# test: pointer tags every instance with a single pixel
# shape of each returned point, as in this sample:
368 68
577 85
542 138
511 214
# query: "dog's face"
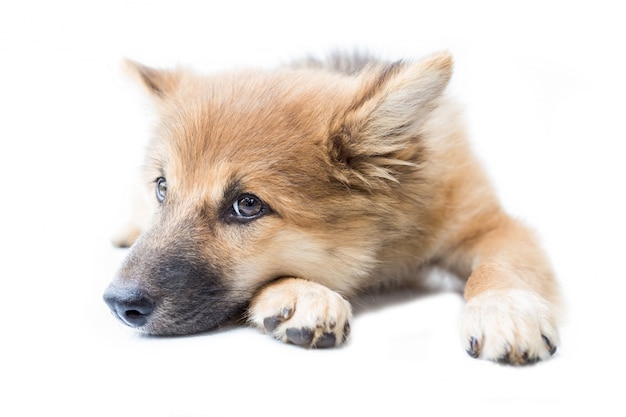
262 175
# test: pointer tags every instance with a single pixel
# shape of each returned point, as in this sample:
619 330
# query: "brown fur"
366 176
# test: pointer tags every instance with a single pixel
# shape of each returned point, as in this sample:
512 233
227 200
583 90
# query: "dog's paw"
509 326
302 312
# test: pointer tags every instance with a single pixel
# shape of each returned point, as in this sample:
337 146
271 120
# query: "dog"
279 195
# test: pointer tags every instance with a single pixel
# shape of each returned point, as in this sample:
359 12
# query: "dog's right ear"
159 83
379 136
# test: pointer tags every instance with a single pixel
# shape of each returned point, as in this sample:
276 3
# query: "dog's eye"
248 207
161 189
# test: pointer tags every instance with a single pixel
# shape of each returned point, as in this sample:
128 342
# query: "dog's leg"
512 297
302 312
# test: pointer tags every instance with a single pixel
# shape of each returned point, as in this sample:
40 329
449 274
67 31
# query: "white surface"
544 88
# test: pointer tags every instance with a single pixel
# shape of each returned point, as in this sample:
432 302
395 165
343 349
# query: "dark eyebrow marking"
233 190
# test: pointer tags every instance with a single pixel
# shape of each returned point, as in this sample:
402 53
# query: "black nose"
131 305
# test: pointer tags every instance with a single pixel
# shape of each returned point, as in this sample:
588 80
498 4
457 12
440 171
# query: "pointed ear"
378 137
159 83
403 95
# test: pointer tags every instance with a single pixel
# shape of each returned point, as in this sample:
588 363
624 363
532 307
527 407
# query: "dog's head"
266 174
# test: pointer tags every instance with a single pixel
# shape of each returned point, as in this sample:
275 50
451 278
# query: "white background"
543 84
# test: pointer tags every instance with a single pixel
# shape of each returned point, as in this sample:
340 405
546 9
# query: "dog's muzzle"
130 305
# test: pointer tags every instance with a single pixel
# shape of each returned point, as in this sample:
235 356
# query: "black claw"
474 349
504 360
300 337
271 323
326 340
286 313
551 347
528 360
533 360
346 332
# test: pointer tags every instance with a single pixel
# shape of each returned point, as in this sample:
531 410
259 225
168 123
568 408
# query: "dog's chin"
174 326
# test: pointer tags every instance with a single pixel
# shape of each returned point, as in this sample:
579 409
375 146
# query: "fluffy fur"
285 193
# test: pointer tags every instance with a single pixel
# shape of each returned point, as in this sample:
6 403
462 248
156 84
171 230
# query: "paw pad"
300 337
272 322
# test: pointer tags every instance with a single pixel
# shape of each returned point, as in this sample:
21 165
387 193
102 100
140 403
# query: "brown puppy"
282 194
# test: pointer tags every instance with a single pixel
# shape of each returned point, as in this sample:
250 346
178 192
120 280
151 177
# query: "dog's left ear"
159 83
377 137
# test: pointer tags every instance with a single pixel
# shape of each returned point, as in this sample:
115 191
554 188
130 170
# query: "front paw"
509 326
302 312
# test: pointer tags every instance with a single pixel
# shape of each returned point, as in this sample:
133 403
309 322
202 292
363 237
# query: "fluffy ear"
159 83
378 137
